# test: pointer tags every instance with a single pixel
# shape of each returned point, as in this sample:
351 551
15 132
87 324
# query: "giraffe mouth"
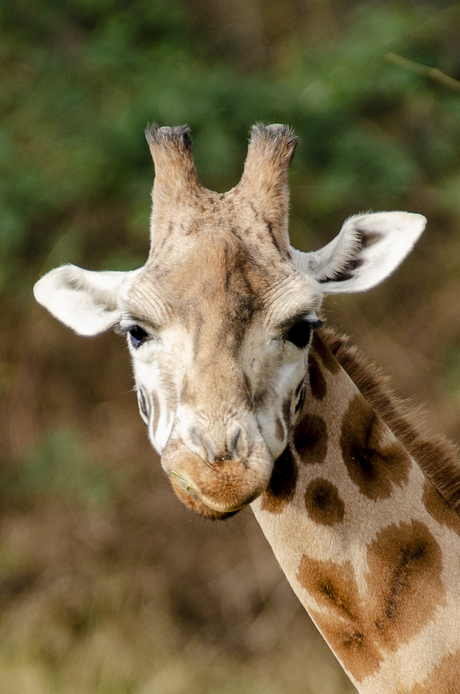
212 506
220 488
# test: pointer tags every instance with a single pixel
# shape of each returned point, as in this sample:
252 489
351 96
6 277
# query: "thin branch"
430 72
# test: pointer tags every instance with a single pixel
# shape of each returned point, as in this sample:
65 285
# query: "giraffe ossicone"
249 400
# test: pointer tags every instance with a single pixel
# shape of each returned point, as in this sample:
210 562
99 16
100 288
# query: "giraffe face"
219 320
219 343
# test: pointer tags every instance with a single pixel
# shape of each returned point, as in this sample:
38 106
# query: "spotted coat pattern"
380 591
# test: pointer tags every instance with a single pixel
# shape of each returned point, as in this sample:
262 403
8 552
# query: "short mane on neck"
437 457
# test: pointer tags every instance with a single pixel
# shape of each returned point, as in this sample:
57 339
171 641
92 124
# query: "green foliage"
111 592
81 79
57 466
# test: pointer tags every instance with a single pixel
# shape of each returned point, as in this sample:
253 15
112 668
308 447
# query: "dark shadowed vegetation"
107 585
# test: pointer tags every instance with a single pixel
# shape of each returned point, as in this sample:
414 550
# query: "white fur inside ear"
365 252
84 300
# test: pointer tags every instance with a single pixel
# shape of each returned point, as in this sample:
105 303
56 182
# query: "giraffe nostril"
202 444
237 441
227 445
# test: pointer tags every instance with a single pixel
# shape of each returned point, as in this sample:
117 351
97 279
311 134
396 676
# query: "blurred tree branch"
431 72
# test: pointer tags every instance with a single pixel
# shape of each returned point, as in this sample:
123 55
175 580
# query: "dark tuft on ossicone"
179 136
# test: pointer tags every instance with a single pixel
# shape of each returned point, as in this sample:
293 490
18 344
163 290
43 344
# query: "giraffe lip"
218 488
190 489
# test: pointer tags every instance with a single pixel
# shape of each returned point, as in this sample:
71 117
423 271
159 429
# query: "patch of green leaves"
58 466
82 80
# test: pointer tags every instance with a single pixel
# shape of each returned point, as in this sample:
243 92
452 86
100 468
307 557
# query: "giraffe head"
219 320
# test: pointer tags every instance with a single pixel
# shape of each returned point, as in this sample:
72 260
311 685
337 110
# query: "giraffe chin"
192 502
216 490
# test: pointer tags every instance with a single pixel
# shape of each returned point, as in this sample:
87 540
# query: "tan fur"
340 508
437 457
363 536
244 406
259 201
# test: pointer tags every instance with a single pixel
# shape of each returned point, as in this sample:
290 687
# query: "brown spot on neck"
324 355
402 590
283 481
341 621
323 503
374 468
405 566
436 457
318 384
310 439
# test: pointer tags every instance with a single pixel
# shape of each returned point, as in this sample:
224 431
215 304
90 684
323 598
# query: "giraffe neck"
368 544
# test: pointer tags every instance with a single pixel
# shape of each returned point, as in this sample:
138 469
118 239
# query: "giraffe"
250 400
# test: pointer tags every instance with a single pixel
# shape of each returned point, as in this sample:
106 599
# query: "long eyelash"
123 329
317 324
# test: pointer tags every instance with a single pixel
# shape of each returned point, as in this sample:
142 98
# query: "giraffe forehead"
218 276
210 212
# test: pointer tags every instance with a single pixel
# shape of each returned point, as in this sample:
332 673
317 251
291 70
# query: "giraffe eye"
137 336
299 333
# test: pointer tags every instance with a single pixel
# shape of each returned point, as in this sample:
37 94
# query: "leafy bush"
82 79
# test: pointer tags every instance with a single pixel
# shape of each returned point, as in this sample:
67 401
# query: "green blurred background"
107 585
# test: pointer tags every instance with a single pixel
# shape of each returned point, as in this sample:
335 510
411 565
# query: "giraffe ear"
365 252
84 300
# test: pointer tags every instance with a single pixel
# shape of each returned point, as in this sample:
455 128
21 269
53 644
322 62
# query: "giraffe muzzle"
219 488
